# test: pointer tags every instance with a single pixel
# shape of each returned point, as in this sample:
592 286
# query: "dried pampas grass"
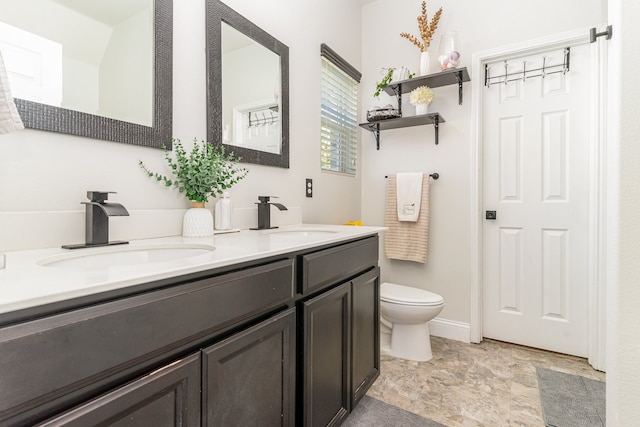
426 28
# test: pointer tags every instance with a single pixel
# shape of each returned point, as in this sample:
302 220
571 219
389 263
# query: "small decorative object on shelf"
421 97
449 55
384 113
402 74
204 172
427 29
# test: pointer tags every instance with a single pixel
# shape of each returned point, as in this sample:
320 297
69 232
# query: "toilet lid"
408 295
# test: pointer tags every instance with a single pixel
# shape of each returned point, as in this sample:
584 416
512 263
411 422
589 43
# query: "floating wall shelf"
403 122
443 78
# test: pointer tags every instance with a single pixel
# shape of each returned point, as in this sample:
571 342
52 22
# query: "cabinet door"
326 357
169 396
249 378
365 333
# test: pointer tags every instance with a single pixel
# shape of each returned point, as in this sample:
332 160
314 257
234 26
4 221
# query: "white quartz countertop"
25 283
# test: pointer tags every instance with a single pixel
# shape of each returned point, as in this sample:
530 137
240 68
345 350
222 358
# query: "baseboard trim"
450 329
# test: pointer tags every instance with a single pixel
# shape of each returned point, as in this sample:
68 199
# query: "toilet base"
411 342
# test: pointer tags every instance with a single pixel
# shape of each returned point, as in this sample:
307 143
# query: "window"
338 116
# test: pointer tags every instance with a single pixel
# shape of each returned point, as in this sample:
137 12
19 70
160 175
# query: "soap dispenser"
223 212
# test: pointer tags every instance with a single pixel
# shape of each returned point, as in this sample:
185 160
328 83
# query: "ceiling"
110 12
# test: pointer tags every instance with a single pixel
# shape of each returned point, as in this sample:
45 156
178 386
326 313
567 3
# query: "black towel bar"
434 175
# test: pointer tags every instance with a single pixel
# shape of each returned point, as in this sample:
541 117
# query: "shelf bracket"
398 92
459 78
436 127
376 132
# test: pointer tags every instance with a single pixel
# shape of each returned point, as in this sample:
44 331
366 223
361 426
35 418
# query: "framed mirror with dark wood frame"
248 88
140 31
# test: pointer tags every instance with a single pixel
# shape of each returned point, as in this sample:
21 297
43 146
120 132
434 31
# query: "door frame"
596 274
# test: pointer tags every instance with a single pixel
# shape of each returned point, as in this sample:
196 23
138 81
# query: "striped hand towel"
406 240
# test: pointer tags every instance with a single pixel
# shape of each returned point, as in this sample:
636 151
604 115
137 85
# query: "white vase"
422 109
197 221
424 63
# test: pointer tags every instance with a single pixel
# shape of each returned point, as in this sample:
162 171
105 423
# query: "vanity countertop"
25 283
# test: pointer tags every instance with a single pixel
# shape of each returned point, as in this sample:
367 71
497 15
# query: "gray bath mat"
372 412
571 400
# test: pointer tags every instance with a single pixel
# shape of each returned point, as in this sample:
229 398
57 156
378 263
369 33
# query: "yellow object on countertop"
358 222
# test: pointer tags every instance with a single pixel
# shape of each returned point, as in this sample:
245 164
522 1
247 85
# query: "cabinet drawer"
63 359
169 396
329 266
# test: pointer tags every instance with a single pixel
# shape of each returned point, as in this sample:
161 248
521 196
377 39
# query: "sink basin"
301 232
100 258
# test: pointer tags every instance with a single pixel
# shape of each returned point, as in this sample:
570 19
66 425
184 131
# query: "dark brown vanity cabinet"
341 330
282 341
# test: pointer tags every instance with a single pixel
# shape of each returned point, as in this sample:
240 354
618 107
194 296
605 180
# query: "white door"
34 65
535 177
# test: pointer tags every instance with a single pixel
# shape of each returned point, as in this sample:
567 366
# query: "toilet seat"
407 295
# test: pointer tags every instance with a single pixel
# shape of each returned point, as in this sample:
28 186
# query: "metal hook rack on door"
525 74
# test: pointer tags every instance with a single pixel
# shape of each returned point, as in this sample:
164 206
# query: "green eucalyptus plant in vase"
205 171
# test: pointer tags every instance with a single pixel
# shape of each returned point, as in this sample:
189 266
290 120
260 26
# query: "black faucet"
264 212
98 211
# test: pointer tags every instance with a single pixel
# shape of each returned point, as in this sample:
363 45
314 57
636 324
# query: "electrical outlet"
308 187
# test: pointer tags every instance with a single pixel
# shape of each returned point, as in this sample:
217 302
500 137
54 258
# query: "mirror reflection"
88 56
248 82
250 99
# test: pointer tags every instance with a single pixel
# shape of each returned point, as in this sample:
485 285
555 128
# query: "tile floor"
488 384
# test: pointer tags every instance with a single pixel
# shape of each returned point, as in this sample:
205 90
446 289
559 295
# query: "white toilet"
404 313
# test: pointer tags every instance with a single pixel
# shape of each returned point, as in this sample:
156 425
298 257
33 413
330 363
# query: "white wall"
81 86
126 71
480 27
44 176
623 293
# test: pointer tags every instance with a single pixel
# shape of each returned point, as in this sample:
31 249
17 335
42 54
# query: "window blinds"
338 123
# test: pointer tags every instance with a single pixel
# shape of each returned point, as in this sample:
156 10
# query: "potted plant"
207 170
